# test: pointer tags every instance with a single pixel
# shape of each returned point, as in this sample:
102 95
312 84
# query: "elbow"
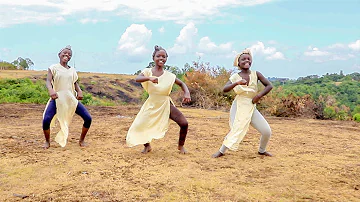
270 87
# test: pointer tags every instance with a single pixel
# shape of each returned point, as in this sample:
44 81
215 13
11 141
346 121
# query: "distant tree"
22 63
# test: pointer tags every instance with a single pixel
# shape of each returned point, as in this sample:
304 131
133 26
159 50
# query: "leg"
221 152
147 148
261 125
180 119
49 115
84 113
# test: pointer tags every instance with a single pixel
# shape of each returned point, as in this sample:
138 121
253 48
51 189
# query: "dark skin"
245 61
64 57
160 58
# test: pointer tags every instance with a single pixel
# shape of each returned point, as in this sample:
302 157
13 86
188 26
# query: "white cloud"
89 20
270 52
276 56
134 40
162 29
35 11
198 54
184 42
355 46
334 52
337 46
316 52
207 46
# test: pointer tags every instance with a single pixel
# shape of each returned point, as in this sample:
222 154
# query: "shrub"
356 117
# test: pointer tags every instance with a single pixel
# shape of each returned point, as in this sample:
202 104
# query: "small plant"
356 117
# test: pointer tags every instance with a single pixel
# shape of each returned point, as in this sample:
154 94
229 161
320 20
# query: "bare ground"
313 160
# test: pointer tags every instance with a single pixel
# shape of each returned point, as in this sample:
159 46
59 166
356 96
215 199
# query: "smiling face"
245 61
160 58
65 56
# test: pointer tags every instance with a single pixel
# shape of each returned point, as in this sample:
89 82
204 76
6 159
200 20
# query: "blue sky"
288 38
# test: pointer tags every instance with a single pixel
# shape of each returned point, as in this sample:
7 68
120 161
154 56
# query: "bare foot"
217 154
83 144
182 149
265 154
146 149
46 145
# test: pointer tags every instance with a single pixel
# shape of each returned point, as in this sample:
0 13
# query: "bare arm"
79 91
51 91
267 89
229 85
142 78
183 86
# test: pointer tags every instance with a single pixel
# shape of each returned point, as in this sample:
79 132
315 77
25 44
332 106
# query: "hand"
256 99
79 96
187 98
241 82
53 95
153 79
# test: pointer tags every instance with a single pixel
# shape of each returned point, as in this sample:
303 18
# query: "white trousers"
262 126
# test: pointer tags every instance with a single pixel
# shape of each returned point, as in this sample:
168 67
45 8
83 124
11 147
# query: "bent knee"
184 124
87 121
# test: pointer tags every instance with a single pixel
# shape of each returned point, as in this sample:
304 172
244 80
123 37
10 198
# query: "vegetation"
331 96
19 63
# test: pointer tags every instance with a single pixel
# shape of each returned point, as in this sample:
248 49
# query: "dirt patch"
313 160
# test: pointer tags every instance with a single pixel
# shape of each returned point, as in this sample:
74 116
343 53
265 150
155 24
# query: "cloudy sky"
288 38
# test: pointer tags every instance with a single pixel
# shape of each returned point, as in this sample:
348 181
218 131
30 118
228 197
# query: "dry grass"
314 161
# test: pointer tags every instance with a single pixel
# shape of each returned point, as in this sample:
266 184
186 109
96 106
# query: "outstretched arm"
183 86
267 89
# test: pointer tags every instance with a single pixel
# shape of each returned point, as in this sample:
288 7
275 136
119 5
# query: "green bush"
329 113
23 91
342 115
356 117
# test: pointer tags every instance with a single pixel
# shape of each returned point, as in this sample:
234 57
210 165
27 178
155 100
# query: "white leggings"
261 125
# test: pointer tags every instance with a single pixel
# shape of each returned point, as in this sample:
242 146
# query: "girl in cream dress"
64 94
152 121
243 112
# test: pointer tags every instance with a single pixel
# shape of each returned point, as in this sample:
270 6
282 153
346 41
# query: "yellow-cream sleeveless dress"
241 110
66 103
152 121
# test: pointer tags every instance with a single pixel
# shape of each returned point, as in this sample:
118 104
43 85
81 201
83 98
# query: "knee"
46 122
266 133
184 124
87 121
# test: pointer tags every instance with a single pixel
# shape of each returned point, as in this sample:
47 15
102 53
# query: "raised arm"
229 85
142 78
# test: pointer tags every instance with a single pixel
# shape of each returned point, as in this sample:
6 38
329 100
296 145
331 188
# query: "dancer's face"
160 58
65 55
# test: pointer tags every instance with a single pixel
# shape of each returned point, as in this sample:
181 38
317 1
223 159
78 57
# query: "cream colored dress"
241 110
152 121
66 103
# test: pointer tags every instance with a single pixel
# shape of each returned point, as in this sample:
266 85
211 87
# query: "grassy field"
314 160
